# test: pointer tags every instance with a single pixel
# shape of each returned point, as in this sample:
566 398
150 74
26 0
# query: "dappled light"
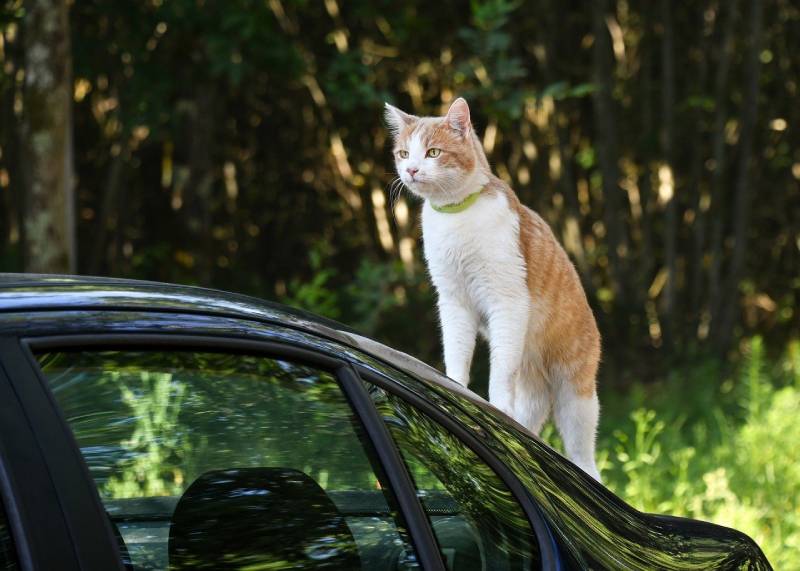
237 166
241 145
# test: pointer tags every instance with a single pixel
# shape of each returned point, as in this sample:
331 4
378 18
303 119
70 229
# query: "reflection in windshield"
497 534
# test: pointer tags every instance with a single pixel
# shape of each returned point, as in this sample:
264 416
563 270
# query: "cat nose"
412 171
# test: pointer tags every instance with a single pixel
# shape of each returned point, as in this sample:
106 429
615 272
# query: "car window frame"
420 532
37 508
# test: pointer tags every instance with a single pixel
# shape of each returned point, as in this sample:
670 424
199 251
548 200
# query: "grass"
725 452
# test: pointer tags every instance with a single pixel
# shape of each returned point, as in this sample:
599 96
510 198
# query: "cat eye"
433 153
402 154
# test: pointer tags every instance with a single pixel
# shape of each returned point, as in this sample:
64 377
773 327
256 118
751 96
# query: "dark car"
151 426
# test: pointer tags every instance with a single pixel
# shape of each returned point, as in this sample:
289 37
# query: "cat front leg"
459 333
507 325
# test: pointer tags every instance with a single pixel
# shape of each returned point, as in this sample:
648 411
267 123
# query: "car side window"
477 521
209 460
8 554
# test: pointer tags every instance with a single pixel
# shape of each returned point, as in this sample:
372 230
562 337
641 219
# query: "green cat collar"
458 206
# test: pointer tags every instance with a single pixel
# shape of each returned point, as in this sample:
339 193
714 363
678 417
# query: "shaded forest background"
240 145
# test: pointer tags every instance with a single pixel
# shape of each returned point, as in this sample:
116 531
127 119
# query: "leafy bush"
317 294
376 300
736 463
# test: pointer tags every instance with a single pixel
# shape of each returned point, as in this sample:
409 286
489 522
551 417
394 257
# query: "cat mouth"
415 180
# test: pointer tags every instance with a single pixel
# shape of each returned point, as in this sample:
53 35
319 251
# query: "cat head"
438 158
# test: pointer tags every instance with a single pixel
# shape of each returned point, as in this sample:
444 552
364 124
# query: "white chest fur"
474 256
477 266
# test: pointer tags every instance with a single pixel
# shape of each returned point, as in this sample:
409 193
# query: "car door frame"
39 530
419 529
57 442
73 496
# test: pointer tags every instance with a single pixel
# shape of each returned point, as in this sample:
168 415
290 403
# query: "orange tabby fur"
499 269
570 334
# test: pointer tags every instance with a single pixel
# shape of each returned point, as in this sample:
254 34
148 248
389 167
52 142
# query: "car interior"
233 519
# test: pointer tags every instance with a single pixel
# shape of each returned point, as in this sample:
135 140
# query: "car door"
168 425
227 457
35 531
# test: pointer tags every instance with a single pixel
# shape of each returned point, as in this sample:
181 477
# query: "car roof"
41 292
50 291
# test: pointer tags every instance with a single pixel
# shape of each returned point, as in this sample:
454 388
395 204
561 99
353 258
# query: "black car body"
49 476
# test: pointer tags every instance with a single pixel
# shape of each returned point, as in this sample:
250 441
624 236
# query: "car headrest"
261 518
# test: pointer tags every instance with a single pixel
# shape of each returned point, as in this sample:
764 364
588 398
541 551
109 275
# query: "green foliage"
489 15
371 294
348 82
155 402
490 70
563 90
315 295
376 301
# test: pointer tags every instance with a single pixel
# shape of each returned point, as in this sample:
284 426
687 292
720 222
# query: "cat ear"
458 116
396 119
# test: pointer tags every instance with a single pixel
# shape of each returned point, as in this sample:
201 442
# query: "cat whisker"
394 190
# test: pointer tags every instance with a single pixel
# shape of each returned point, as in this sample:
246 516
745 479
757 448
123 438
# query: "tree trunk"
618 333
559 125
13 233
109 209
607 149
47 139
671 209
202 175
645 263
741 214
718 154
695 176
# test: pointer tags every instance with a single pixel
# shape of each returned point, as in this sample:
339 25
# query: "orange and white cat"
499 271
